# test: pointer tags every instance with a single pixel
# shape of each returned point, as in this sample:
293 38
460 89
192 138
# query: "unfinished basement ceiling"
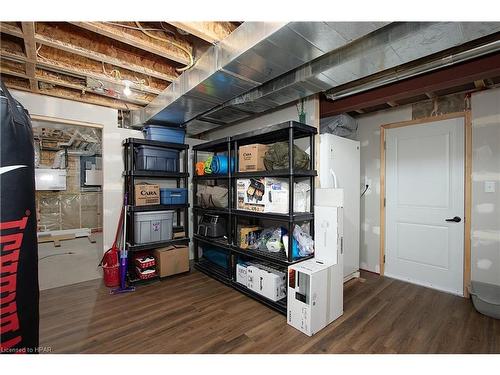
253 70
94 62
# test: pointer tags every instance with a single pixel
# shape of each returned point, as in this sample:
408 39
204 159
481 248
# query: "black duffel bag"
18 243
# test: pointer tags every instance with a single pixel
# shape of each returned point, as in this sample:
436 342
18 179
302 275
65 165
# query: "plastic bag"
305 241
269 240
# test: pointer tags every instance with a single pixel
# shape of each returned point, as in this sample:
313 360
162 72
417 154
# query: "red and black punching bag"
18 243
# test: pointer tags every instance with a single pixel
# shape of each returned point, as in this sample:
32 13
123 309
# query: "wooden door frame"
467 186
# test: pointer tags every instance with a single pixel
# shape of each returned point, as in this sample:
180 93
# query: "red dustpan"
110 261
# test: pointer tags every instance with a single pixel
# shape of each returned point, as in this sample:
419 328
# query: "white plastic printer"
315 286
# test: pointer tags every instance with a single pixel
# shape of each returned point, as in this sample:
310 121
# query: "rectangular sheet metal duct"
263 65
388 47
255 53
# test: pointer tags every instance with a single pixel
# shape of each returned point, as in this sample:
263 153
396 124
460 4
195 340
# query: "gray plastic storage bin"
153 226
486 298
149 158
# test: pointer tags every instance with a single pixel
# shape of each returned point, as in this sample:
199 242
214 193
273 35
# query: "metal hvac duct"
386 48
253 54
428 67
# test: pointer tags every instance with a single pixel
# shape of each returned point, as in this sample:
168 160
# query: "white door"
424 191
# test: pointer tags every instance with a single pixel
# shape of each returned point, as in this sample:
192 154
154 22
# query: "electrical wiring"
165 29
38 53
141 82
115 73
131 27
103 68
182 48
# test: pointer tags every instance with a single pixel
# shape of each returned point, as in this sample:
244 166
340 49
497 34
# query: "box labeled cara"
147 194
251 157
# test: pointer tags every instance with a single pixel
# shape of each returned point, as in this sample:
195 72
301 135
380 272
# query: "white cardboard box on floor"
253 274
264 280
272 283
315 295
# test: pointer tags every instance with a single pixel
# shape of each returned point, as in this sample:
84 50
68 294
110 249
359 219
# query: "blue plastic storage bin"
216 256
164 133
150 158
173 196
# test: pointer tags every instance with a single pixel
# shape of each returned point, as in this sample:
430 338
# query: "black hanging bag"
18 243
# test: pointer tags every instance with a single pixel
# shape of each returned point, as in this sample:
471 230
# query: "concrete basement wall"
485 252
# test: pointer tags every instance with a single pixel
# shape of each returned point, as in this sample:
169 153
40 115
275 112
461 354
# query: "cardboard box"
253 274
179 234
247 235
147 194
272 198
251 157
277 193
264 280
248 202
272 283
172 260
315 295
241 273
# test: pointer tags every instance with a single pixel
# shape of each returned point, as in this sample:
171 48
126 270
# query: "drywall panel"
113 184
369 137
485 249
44 105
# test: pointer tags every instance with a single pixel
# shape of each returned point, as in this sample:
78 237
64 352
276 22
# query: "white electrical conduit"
182 48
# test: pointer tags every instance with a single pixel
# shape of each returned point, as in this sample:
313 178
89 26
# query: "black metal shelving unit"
288 131
131 174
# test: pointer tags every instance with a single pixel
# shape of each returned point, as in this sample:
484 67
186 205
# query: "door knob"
456 219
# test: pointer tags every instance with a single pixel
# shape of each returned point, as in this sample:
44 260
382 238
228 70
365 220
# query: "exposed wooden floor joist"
60 61
44 40
11 30
211 32
101 58
47 77
30 51
113 32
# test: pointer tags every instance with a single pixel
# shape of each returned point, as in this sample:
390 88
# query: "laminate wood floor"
193 313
